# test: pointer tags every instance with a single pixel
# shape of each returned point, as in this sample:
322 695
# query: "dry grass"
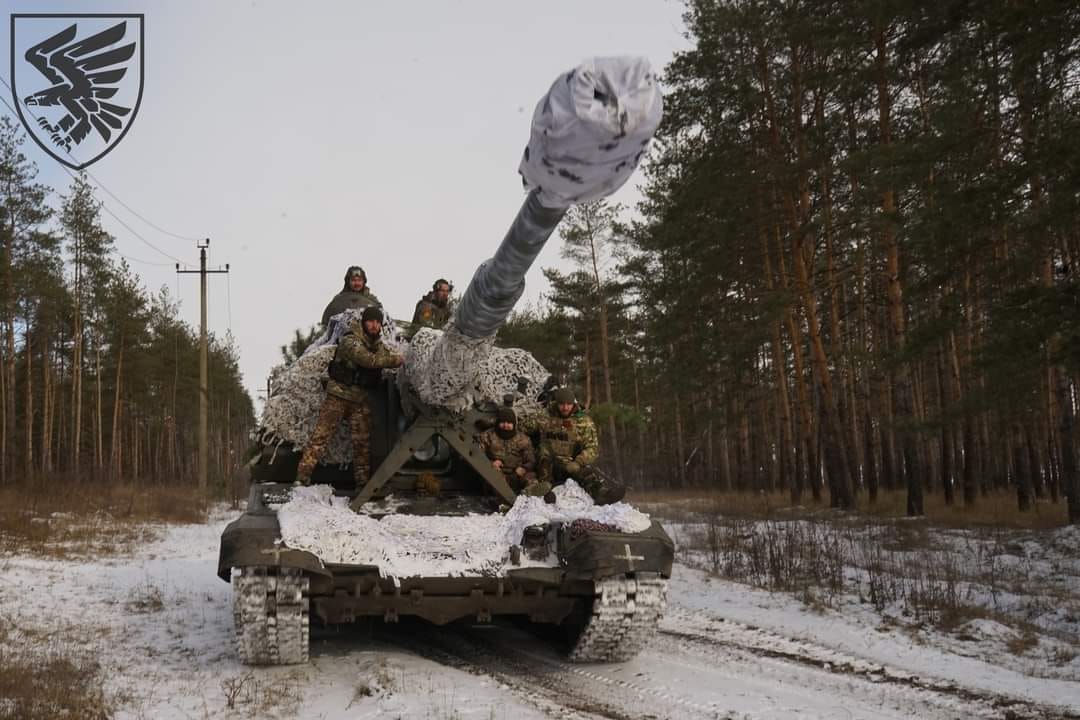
46 676
376 679
263 695
912 570
996 509
92 519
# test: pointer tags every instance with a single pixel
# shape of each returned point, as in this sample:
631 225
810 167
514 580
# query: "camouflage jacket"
573 438
514 452
347 299
429 314
358 350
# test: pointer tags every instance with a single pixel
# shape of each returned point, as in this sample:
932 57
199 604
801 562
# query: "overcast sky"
305 137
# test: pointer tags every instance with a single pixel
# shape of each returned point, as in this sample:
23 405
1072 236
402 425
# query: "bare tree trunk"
115 452
588 372
783 401
1070 484
1025 494
710 450
76 368
99 446
605 364
905 404
3 420
944 394
46 402
805 447
680 446
7 449
640 426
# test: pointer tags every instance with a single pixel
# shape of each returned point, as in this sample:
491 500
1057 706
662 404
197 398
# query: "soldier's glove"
549 497
572 468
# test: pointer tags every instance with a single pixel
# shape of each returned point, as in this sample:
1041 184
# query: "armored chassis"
605 589
605 596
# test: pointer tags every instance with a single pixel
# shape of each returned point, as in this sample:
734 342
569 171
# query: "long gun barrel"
589 132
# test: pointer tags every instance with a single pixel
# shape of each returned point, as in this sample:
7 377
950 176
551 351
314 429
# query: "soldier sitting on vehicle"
511 452
433 310
357 365
355 295
569 447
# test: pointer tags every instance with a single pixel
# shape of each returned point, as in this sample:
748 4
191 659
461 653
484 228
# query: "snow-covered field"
160 624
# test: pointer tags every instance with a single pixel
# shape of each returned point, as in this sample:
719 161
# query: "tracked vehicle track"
271 616
625 614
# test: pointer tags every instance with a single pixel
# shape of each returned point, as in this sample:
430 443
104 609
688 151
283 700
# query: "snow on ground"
1001 598
161 623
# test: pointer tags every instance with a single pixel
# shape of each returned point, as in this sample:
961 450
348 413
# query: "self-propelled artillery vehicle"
336 553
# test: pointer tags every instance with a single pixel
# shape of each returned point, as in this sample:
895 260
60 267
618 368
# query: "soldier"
357 366
511 452
433 309
355 294
569 447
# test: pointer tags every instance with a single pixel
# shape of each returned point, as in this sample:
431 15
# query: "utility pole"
204 360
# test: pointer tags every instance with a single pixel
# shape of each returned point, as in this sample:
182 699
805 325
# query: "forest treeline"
99 379
855 267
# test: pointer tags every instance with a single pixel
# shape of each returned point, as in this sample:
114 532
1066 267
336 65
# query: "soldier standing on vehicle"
569 446
433 309
356 294
512 454
357 365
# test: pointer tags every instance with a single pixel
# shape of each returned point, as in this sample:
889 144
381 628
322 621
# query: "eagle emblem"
77 81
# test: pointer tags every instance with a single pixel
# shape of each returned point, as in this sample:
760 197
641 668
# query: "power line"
142 262
103 205
103 187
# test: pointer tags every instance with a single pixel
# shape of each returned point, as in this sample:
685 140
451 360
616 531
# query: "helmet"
372 312
354 271
506 414
563 395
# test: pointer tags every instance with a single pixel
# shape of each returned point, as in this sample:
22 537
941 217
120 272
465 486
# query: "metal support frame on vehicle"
452 428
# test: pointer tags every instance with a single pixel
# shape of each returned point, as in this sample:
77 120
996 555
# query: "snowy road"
688 674
161 626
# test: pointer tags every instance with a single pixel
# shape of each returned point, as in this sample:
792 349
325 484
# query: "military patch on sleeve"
426 315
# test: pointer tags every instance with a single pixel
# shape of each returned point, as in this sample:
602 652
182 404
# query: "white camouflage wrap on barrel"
591 130
487 373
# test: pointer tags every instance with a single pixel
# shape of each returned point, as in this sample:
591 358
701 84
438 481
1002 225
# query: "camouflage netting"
470 370
290 413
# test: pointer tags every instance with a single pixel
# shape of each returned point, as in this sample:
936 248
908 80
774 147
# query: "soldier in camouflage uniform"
511 452
569 447
433 310
354 295
357 366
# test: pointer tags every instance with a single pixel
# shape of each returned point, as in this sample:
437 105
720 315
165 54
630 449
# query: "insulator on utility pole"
204 362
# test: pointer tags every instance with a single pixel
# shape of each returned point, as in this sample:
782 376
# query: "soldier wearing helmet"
511 452
433 310
356 294
357 366
569 446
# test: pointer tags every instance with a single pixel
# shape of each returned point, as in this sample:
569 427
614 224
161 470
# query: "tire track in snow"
592 672
723 633
455 648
